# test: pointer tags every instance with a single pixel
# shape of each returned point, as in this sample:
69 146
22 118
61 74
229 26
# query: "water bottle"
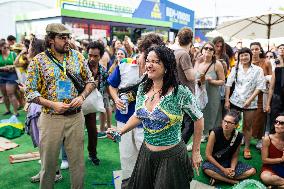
124 99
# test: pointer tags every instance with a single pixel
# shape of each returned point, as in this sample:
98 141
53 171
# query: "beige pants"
128 148
53 131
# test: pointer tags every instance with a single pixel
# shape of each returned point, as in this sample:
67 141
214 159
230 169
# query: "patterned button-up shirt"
43 74
247 83
101 77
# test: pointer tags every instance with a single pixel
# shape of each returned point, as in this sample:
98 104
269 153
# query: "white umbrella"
213 34
267 25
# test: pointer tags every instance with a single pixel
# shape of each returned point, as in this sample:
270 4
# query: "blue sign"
149 9
161 10
179 16
165 11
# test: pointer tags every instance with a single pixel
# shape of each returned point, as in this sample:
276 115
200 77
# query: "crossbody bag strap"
223 151
55 61
208 68
52 58
73 78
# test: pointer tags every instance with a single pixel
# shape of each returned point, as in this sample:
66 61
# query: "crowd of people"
162 95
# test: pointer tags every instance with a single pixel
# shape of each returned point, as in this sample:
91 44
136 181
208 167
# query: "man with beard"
61 120
95 53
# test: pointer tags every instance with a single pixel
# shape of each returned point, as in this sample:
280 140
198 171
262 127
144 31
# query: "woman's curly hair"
167 57
148 40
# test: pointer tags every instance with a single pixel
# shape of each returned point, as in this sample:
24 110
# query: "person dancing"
163 161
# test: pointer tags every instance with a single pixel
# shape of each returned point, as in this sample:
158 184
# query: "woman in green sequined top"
161 103
8 77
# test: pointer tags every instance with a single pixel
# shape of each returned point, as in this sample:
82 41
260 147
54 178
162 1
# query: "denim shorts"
8 78
11 82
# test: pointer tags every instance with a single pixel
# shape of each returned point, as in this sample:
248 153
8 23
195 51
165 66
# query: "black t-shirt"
279 81
222 143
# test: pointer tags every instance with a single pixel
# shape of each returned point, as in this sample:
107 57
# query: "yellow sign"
156 13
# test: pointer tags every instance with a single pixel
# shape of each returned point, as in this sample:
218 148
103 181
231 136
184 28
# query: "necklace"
153 96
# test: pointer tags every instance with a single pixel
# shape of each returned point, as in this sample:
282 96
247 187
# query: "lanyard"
63 64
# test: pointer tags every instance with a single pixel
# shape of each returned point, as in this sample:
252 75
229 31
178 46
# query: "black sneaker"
94 160
124 183
7 113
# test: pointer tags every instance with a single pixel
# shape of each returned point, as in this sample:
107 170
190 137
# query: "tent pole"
269 28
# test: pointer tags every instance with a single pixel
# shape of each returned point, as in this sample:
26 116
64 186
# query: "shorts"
11 82
8 78
106 100
232 106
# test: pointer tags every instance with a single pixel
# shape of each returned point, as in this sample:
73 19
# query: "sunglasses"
279 122
208 48
63 37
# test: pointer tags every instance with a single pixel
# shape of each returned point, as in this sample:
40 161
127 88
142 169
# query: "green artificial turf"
17 176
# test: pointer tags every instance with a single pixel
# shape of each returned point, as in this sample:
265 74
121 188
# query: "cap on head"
57 28
17 46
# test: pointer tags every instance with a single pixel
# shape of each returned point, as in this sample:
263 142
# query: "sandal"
247 154
212 182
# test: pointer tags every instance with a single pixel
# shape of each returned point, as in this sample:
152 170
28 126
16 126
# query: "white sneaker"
243 141
204 139
58 177
64 164
259 144
189 147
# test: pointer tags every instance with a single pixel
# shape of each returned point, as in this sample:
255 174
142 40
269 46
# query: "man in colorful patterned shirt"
61 120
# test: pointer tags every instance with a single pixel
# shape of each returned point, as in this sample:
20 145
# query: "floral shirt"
162 126
101 76
247 83
46 79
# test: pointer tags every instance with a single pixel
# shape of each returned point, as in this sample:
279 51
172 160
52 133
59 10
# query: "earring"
165 71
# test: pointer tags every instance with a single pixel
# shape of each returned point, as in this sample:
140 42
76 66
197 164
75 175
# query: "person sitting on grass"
222 152
272 153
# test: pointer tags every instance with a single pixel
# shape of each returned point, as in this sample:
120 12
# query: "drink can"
124 99
116 136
